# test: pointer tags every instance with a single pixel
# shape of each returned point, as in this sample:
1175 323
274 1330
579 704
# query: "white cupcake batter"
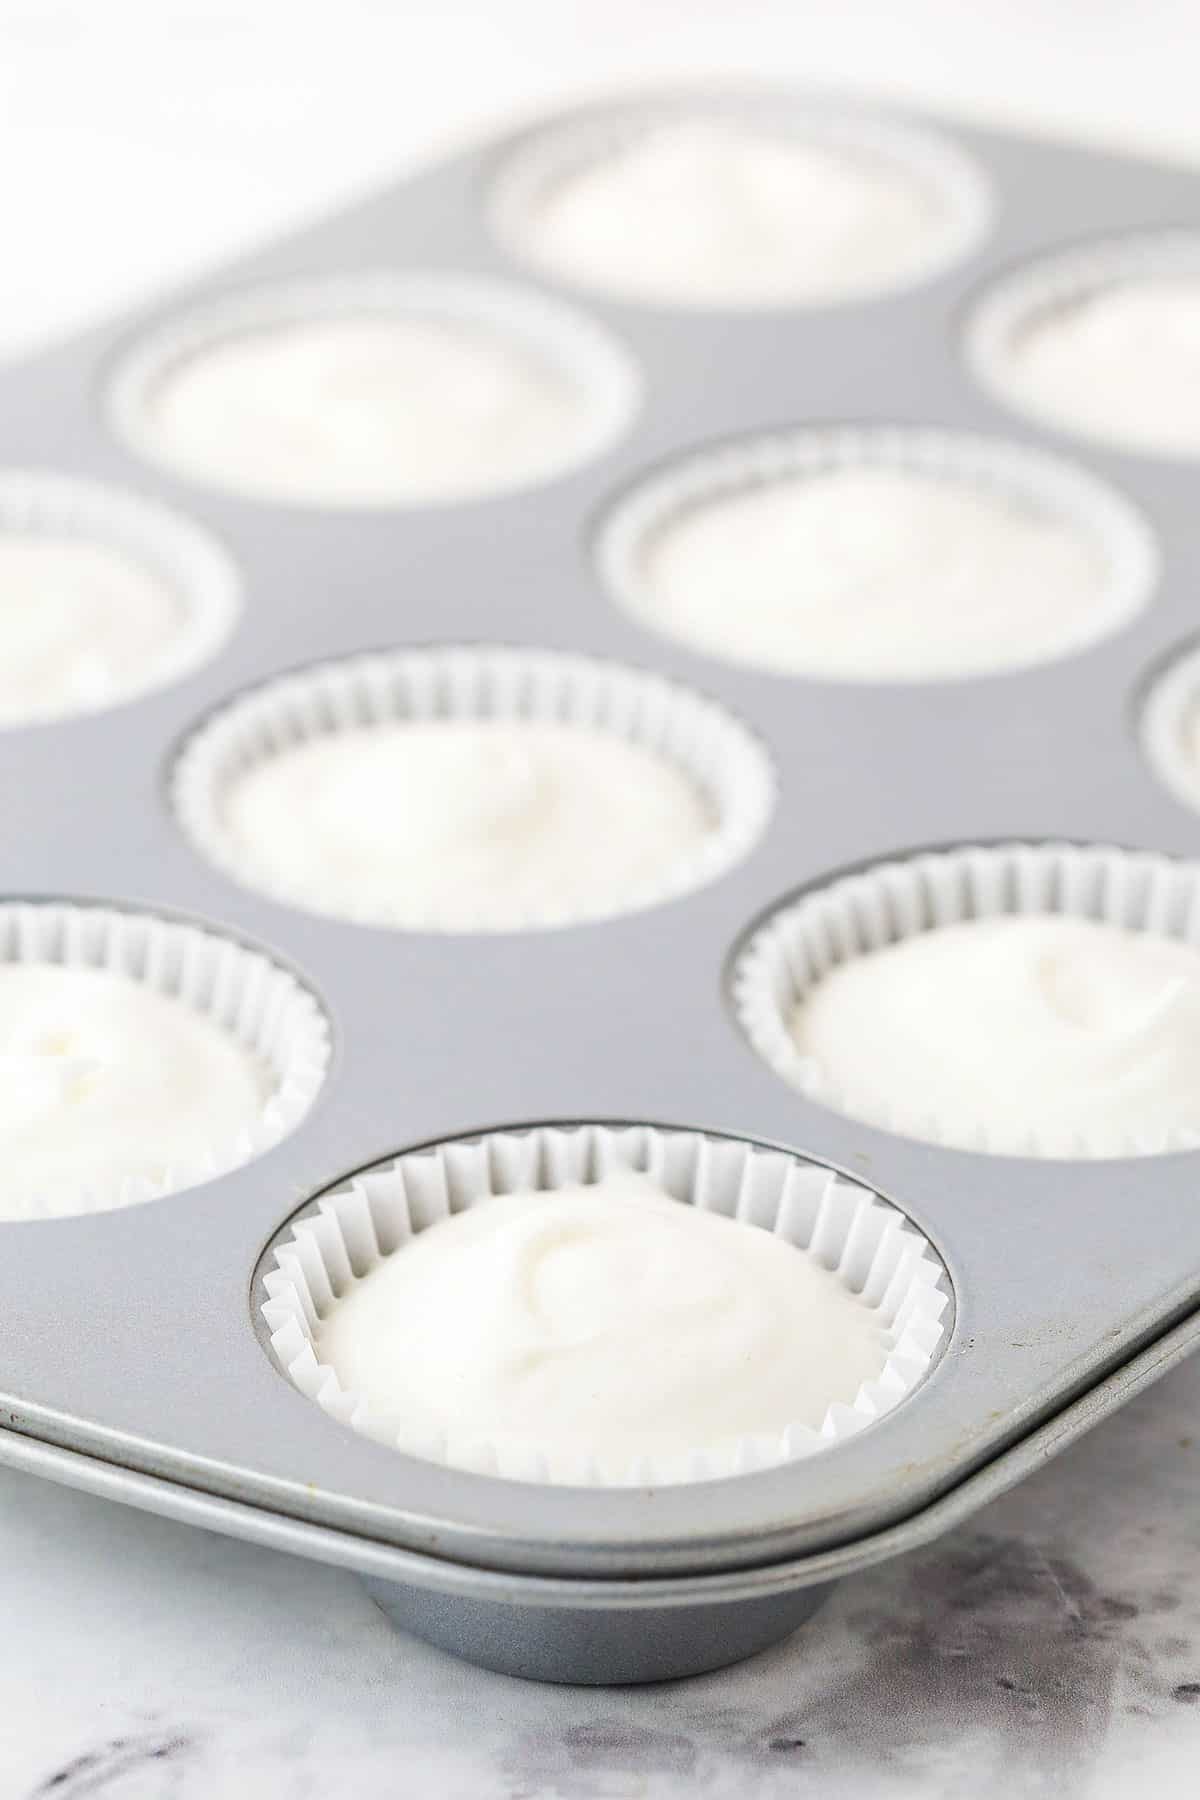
1122 364
1051 1025
469 824
610 1321
369 411
868 573
103 1081
81 625
709 213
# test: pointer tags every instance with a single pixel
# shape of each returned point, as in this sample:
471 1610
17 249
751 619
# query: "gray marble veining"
1050 1647
142 1660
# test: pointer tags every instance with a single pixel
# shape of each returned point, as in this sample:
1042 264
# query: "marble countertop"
1050 1647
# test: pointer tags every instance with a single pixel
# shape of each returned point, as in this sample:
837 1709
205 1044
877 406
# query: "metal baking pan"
428 1594
129 1356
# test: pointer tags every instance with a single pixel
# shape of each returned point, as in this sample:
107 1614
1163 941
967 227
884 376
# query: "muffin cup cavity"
729 767
193 568
260 1004
785 957
604 377
1048 486
872 1248
1018 303
551 155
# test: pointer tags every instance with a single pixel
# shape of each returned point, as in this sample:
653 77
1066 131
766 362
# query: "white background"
1048 1648
141 140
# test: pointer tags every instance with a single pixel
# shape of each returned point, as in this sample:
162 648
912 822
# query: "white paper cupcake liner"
1170 714
1020 301
1048 485
601 371
192 566
728 765
552 153
260 1004
785 958
873 1249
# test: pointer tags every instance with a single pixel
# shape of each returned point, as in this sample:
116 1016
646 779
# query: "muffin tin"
133 1356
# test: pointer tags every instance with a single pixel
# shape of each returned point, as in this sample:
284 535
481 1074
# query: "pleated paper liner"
864 1243
261 1005
1032 482
1047 290
598 373
785 958
194 570
729 768
1170 726
549 157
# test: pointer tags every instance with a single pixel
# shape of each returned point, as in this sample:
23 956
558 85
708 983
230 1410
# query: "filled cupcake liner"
603 373
726 762
785 958
552 153
871 1248
260 1004
191 565
1051 486
1171 709
1054 283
